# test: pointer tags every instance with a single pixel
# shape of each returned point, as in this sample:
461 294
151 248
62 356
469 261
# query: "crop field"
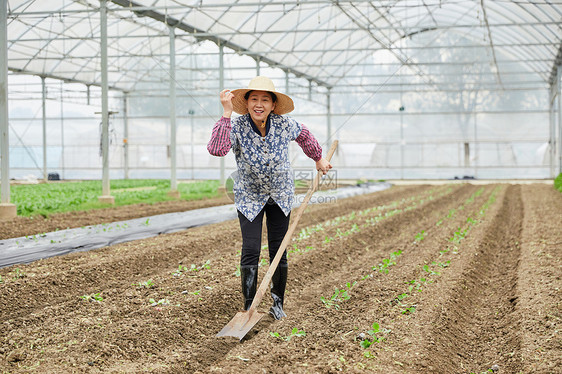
457 278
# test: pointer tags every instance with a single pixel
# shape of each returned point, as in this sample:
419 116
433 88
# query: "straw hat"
283 105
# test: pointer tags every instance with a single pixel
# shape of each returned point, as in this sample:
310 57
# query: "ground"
457 278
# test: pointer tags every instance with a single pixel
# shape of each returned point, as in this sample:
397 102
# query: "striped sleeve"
220 144
309 144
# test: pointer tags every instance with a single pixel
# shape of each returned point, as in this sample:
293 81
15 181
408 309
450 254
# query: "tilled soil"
418 279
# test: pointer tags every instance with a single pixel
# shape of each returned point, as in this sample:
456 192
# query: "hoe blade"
242 322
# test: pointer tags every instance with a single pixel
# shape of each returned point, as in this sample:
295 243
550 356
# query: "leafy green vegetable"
47 198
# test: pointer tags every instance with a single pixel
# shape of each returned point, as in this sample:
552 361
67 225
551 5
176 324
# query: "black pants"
277 226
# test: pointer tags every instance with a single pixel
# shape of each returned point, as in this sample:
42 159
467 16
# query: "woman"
263 182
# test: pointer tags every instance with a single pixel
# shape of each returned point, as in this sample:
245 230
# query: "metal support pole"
192 115
126 135
551 127
7 210
257 66
4 135
475 145
173 180
221 85
62 129
44 108
329 116
106 197
401 135
559 91
287 82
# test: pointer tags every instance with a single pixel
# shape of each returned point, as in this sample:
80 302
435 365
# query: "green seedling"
409 310
307 232
375 329
299 250
420 236
1 280
237 272
354 228
192 268
304 234
328 239
442 264
431 272
159 302
416 285
458 236
443 251
180 270
92 297
350 285
294 332
148 284
338 296
368 354
387 262
263 262
18 274
339 234
206 265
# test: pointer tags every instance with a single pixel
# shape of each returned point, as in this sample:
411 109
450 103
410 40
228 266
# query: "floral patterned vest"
264 168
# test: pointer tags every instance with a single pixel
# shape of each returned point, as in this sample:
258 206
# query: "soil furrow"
310 278
479 315
369 299
539 288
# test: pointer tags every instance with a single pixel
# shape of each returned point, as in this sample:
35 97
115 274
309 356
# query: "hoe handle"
273 266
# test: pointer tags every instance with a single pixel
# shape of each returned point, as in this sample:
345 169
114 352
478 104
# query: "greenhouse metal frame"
430 89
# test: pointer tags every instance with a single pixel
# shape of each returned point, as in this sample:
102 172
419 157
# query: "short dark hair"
273 96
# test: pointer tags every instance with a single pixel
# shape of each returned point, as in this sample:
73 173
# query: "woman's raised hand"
323 165
226 101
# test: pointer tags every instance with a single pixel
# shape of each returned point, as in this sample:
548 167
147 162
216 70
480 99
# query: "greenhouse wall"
385 132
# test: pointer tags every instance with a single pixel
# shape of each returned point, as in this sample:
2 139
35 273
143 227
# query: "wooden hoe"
243 321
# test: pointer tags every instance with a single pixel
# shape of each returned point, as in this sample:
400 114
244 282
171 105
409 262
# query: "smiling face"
260 104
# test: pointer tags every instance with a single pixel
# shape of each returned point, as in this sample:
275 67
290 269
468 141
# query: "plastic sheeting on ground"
35 247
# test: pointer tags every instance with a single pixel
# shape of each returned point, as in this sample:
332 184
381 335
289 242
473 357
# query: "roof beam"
170 21
557 62
64 79
491 43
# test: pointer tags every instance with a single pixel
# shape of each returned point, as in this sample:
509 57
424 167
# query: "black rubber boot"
249 277
278 284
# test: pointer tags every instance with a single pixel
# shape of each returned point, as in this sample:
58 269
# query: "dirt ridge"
480 312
